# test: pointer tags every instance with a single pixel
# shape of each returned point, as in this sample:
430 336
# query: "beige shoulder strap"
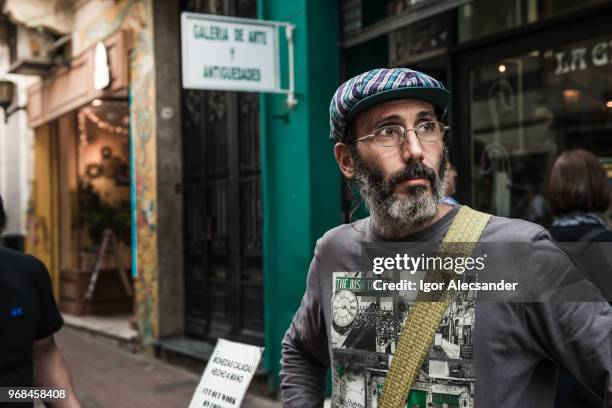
426 314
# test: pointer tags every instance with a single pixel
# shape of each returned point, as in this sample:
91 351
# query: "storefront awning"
71 87
418 12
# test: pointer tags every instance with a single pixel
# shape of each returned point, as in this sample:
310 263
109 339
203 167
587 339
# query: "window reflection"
484 17
526 109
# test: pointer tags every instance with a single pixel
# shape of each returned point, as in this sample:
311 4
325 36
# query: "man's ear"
345 160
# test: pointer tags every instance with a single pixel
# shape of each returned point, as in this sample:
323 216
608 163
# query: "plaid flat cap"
380 85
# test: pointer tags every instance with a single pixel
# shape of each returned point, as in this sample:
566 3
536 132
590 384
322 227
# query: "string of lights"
82 130
102 124
85 114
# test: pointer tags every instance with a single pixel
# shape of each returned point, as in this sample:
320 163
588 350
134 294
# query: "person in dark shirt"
29 317
578 193
451 184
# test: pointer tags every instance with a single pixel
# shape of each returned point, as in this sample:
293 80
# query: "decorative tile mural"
137 17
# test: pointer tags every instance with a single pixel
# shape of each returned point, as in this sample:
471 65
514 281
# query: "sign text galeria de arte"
218 33
234 54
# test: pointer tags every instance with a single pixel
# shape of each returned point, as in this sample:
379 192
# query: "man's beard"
393 216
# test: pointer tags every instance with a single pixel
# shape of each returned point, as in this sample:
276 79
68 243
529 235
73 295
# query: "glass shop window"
484 17
524 110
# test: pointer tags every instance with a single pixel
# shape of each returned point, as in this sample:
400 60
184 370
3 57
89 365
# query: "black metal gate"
222 196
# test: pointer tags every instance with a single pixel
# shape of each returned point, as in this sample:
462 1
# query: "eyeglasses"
395 135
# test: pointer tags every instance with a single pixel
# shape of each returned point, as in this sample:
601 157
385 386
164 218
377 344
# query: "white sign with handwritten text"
227 375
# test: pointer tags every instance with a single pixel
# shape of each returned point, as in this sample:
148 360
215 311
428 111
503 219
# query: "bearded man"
390 142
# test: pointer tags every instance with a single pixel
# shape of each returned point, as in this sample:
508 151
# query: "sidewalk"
108 376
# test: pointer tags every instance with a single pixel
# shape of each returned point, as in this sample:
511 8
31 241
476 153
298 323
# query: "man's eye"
388 131
428 127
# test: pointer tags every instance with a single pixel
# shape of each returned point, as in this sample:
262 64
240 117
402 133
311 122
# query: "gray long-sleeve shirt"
497 354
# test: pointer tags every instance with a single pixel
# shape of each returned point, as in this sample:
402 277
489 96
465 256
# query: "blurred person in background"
28 319
450 184
578 195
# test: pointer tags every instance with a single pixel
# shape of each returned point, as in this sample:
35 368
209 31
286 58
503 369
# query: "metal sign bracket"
291 99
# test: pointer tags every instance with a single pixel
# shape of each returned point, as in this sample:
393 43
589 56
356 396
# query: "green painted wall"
301 181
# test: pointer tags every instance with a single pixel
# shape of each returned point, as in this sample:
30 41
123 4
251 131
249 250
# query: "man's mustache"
413 170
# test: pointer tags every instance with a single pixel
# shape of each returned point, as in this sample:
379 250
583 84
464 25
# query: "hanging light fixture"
7 93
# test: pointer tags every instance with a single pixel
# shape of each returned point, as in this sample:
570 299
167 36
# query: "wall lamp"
7 93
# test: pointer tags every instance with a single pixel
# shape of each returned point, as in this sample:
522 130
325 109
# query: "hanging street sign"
228 53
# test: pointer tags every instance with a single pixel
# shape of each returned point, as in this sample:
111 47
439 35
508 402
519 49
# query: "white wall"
16 139
16 152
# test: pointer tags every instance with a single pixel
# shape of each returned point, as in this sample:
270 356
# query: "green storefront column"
300 178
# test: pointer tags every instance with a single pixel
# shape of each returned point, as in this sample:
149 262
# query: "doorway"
223 208
93 213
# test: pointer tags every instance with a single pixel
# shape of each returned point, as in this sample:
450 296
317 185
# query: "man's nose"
411 149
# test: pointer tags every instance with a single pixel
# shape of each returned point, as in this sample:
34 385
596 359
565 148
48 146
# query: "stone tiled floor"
108 376
117 326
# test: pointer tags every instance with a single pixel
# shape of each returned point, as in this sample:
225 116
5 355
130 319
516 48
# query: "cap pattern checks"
377 86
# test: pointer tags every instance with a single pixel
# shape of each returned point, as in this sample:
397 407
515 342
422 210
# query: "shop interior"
94 213
527 109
